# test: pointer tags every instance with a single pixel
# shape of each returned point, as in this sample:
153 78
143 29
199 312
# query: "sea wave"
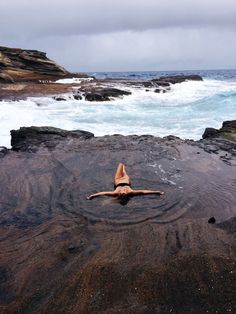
185 111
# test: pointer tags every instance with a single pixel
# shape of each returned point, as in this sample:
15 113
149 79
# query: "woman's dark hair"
123 199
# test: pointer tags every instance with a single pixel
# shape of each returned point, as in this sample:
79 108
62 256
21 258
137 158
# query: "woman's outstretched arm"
109 193
146 192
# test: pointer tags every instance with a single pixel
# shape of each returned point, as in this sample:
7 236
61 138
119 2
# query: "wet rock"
156 250
34 67
96 92
180 78
59 98
24 90
161 83
96 97
77 97
105 94
211 220
28 139
158 90
147 84
210 132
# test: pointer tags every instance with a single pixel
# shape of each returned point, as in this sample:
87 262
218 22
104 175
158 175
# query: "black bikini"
121 184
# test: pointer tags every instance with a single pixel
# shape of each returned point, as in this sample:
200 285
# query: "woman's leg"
121 176
119 171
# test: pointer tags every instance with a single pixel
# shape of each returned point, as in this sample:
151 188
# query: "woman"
122 186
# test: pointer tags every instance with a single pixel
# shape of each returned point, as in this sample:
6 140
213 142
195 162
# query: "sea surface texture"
185 111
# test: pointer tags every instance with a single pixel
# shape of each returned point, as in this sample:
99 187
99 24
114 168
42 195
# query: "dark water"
61 252
189 192
195 186
210 74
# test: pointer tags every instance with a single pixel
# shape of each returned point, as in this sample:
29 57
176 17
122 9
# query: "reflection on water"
196 187
189 193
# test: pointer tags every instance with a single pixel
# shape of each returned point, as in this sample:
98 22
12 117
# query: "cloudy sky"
124 35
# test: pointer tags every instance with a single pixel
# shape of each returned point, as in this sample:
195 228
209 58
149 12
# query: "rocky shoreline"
60 253
29 73
63 254
221 142
90 89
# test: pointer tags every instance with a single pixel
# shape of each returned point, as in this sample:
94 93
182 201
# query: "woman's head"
123 194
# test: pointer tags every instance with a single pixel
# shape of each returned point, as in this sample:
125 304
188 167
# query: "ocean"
185 111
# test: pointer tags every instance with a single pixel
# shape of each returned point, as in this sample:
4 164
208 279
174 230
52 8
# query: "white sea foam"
184 111
74 80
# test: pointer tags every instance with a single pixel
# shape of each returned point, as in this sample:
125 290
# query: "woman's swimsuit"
122 184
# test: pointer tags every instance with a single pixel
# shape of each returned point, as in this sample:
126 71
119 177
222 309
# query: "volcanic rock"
47 71
222 142
77 97
211 220
180 78
227 131
28 139
161 83
105 94
59 98
210 132
61 253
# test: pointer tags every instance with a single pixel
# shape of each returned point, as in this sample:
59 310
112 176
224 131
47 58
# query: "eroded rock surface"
60 253
22 65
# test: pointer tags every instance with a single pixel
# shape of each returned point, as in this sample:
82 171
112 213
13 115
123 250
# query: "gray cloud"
125 35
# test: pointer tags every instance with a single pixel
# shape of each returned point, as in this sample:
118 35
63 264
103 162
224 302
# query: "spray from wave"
184 111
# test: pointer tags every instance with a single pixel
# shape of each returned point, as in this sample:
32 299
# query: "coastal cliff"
61 253
22 65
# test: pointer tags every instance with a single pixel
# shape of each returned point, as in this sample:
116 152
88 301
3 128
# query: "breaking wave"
185 111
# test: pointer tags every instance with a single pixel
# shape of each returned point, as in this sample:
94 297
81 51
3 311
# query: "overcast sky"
124 35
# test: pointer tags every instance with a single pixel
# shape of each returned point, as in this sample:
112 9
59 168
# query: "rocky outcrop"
227 131
221 142
92 90
61 253
21 65
104 94
178 79
28 139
